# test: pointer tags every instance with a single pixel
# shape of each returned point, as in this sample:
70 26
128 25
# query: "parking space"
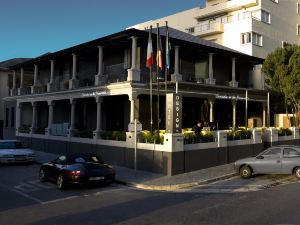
237 184
19 186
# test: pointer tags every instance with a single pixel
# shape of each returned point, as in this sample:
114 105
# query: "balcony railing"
209 29
115 73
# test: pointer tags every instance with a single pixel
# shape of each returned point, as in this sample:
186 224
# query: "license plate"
96 178
20 159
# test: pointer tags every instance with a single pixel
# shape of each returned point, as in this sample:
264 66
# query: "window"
298 29
12 117
272 152
290 152
61 160
190 30
256 39
265 16
6 117
298 8
246 38
262 15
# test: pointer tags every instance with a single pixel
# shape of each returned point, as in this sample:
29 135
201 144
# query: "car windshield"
10 145
87 159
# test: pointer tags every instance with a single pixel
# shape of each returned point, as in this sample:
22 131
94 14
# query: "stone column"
34 118
34 86
73 82
22 78
99 100
50 85
134 74
51 104
233 82
99 77
13 91
234 103
72 119
21 89
18 117
176 76
211 109
210 79
133 99
264 106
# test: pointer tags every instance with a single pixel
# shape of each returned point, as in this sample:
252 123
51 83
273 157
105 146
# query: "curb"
174 187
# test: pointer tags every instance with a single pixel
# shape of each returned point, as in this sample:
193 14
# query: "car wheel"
245 172
60 182
297 172
42 176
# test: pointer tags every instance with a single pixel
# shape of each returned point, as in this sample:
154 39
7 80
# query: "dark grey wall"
153 161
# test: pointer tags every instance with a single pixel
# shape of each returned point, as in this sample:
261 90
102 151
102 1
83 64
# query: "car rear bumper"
105 179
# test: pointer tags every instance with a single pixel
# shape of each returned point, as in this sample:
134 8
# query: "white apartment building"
254 27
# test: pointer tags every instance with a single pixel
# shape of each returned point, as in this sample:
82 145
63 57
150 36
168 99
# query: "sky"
29 28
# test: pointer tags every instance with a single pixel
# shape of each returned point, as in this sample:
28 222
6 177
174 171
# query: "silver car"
282 159
12 151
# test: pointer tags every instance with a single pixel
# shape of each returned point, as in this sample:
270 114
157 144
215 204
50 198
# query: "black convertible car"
77 169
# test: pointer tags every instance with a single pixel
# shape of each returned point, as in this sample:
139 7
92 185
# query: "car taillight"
76 173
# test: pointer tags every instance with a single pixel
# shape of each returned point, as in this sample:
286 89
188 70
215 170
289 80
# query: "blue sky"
30 28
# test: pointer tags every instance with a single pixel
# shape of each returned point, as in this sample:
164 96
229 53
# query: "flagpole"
157 75
151 107
167 62
149 65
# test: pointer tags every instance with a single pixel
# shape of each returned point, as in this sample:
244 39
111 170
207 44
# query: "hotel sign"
173 113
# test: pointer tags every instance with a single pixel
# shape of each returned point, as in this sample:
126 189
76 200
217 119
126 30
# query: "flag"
159 50
168 48
150 50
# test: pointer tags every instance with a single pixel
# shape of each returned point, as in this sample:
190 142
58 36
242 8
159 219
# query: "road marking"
60 199
33 185
21 193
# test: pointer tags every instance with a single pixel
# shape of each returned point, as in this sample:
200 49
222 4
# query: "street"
26 201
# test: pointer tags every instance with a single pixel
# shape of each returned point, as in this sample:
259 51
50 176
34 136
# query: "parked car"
77 169
283 159
13 151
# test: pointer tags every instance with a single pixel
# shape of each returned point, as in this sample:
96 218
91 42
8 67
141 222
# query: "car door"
290 159
55 167
269 161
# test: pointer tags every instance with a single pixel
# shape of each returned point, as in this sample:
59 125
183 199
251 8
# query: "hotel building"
76 94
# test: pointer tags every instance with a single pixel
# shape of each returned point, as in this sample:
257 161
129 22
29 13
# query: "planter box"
199 146
285 138
240 142
151 146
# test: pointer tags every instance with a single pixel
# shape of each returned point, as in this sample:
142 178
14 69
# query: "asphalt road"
23 200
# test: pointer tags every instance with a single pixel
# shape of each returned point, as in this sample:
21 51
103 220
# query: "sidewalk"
152 181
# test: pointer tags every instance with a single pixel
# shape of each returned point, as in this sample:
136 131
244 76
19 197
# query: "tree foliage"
282 69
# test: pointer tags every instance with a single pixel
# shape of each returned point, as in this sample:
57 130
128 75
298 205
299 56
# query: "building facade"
7 117
79 94
254 27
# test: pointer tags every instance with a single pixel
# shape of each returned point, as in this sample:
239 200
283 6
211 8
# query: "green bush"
147 137
84 134
39 130
113 135
239 134
24 129
284 132
203 137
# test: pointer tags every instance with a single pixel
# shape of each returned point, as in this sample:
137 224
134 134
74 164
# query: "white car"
12 151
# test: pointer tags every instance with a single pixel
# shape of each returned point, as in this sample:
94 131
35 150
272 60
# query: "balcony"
224 7
209 29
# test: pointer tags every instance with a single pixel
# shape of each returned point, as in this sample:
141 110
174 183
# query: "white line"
21 193
60 199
